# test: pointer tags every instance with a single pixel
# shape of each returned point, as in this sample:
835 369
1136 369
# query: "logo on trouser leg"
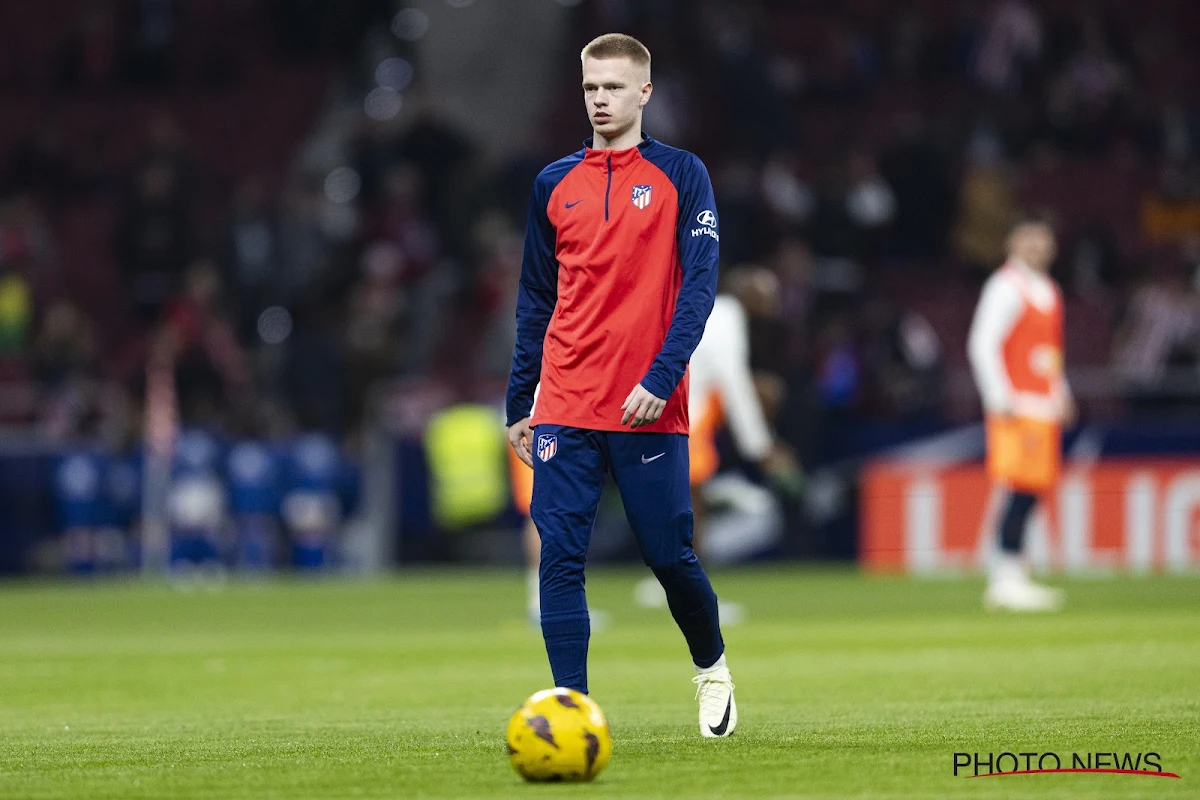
547 446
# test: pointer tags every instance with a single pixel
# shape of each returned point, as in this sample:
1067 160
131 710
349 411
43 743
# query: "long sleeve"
997 313
536 297
731 365
699 254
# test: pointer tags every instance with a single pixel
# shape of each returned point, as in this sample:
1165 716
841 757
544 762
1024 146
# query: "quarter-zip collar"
619 158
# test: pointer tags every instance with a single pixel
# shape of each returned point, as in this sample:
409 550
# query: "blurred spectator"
1177 133
1011 40
440 150
154 238
211 370
316 371
501 248
65 364
164 143
250 255
986 211
25 234
919 173
1093 260
16 309
89 59
833 231
374 328
303 247
1094 76
793 263
151 50
65 348
40 165
746 225
1172 211
903 356
839 375
788 197
402 220
870 202
1159 331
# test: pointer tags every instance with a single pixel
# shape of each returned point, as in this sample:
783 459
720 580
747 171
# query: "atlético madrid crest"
547 446
641 195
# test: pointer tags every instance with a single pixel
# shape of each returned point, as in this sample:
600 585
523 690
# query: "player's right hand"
520 436
784 471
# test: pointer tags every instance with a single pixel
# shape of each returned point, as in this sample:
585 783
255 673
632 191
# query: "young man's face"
1034 244
614 91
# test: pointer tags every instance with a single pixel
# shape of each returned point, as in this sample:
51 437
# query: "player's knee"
674 549
676 553
557 558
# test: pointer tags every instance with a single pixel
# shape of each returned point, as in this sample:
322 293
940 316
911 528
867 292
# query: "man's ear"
647 90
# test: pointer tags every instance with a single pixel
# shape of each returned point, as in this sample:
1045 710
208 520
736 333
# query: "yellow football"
559 735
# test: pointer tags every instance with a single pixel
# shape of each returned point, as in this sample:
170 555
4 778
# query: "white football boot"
1011 589
718 711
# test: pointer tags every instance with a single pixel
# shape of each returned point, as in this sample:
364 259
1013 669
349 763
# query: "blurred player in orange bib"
726 393
1016 353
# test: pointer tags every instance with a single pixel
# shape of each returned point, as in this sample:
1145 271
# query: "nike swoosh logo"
720 729
655 458
572 205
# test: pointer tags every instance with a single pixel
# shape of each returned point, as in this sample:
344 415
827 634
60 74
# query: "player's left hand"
641 408
1070 412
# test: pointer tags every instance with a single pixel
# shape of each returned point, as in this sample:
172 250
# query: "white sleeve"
998 311
731 364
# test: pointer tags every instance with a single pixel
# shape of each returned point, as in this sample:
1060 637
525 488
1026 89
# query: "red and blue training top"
617 282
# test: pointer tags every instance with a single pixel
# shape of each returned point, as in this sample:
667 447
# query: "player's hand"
1070 412
779 459
641 408
784 471
520 436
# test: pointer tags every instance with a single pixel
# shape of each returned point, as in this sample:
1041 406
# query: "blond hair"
617 45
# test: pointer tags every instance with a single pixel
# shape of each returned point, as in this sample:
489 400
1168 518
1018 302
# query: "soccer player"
1016 354
617 280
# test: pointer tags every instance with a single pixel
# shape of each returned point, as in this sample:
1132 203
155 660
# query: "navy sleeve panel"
537 293
698 239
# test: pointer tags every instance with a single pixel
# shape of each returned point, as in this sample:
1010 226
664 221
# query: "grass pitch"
848 686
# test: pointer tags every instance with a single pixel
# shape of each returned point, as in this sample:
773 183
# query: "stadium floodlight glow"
394 73
382 104
342 184
410 24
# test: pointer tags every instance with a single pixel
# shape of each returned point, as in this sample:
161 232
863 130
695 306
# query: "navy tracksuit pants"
651 472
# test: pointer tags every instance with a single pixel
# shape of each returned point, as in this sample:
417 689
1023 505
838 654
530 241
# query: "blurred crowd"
871 157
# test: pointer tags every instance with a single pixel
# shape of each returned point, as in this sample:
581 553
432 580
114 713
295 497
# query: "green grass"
848 686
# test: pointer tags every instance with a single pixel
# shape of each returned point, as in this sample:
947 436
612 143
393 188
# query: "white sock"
720 664
1008 567
535 590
